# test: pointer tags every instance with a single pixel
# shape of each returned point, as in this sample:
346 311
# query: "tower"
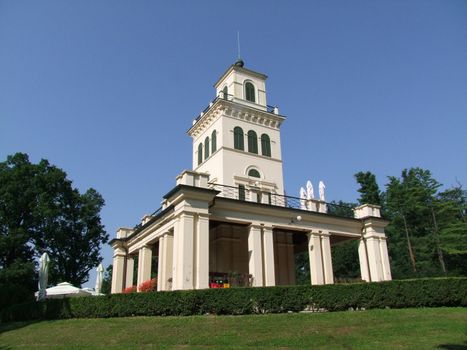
236 139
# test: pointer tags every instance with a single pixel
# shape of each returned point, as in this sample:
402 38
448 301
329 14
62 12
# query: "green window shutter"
241 192
213 142
250 92
238 138
252 142
254 173
225 93
200 153
265 145
206 148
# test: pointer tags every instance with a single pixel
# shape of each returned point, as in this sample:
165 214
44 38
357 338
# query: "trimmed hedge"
239 301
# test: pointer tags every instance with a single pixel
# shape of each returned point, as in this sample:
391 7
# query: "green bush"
240 301
11 294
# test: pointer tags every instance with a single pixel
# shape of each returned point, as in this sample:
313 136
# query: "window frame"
239 139
206 148
252 142
265 145
250 91
213 142
200 153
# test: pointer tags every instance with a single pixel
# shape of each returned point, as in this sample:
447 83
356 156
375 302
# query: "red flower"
148 286
128 290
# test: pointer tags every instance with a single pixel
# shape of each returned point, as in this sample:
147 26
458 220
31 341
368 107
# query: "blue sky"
107 89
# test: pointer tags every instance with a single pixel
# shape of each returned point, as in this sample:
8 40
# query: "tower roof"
238 66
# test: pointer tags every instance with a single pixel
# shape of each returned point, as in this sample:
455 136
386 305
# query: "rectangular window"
241 192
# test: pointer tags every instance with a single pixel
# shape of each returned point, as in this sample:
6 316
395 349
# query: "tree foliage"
427 233
369 189
40 212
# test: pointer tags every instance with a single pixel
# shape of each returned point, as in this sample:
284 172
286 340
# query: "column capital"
318 233
204 216
146 246
255 225
120 251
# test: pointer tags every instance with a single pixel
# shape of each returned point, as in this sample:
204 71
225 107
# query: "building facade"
228 221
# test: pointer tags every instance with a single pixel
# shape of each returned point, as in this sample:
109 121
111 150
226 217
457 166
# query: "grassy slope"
374 329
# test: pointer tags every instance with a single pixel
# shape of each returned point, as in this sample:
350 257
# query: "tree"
369 190
40 212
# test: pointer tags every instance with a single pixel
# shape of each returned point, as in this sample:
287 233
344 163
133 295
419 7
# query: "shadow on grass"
11 326
453 346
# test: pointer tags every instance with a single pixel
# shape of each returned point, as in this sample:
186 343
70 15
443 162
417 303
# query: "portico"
228 218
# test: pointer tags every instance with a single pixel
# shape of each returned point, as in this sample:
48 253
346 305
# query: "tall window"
250 92
206 148
252 142
254 173
213 141
238 138
200 153
225 93
265 145
241 192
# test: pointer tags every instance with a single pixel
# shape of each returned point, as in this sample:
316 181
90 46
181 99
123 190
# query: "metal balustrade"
264 197
227 97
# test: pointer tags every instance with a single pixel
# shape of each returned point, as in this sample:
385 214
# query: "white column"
144 264
316 261
268 250
118 270
168 262
327 258
202 252
160 263
176 234
364 271
385 259
374 259
130 267
183 277
255 255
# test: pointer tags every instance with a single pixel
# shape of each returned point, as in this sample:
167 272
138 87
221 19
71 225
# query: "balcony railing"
228 97
256 195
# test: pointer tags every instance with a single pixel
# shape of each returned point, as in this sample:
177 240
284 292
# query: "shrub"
149 286
11 294
131 289
238 301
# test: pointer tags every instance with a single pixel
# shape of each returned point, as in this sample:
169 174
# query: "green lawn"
444 328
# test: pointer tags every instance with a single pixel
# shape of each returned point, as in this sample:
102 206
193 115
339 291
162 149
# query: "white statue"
321 191
309 190
302 198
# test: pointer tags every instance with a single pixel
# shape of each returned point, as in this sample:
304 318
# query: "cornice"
237 111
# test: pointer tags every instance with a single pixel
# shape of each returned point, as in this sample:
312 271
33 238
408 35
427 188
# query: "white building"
228 218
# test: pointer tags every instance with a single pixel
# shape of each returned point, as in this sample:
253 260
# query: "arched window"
225 93
252 142
206 148
238 138
254 173
213 142
200 153
265 145
250 92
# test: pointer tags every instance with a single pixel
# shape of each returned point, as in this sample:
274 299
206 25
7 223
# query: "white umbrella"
43 275
99 278
65 289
